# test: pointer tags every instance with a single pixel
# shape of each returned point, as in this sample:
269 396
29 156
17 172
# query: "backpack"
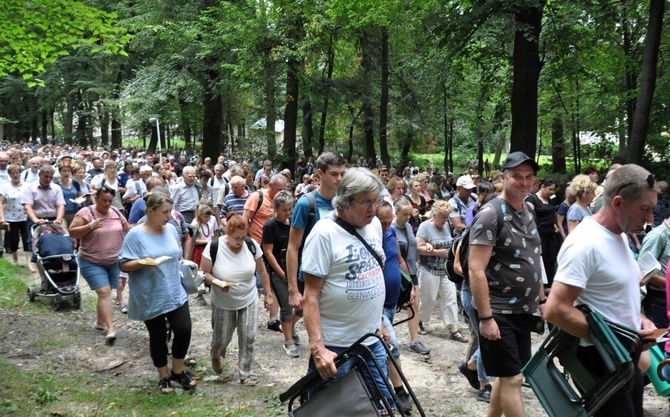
214 248
464 253
311 197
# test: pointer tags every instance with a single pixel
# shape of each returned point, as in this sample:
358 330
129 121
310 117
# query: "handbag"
191 278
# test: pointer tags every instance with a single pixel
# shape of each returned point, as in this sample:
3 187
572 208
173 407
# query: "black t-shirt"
276 233
545 214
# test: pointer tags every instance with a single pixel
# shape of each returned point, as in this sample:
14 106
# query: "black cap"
517 158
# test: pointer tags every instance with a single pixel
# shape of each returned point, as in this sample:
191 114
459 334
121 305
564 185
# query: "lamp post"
154 122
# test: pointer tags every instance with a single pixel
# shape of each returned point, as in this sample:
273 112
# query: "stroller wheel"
31 294
77 300
58 302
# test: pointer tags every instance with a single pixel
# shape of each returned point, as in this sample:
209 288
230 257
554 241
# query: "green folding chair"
575 391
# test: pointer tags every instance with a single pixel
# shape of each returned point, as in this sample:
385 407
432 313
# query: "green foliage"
35 34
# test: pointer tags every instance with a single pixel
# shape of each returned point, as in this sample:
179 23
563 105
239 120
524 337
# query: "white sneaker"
291 349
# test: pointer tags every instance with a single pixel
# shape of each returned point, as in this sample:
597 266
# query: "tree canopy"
368 78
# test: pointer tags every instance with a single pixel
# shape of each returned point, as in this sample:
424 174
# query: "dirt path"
65 342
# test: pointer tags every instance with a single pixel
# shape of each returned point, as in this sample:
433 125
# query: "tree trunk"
366 39
186 123
153 141
526 74
289 159
330 64
103 116
307 128
384 99
212 120
558 145
52 112
117 140
82 121
448 145
69 117
271 113
631 76
645 96
45 126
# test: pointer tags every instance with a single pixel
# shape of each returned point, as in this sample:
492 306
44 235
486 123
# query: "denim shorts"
99 276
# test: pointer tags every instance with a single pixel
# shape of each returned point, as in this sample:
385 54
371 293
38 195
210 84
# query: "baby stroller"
348 396
56 264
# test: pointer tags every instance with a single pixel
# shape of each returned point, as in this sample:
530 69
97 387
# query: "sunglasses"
650 180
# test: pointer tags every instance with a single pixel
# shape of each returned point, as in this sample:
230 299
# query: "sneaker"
419 348
296 338
485 394
469 374
404 402
274 325
291 349
200 300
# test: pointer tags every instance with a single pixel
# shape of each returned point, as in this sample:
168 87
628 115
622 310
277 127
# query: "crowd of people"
331 247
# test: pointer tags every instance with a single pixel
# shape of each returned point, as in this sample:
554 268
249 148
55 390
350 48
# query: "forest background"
576 82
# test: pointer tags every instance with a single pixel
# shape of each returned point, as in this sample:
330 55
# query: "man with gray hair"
344 282
233 201
597 268
185 195
218 181
31 174
43 200
257 210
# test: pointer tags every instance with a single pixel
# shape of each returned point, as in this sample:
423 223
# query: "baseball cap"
466 182
517 158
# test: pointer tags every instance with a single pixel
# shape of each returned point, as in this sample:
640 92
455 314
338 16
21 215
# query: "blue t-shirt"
137 211
300 215
68 194
392 277
154 290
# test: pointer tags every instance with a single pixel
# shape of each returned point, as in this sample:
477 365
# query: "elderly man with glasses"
344 282
597 268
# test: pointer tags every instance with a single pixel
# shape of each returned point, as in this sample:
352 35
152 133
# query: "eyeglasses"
650 180
369 203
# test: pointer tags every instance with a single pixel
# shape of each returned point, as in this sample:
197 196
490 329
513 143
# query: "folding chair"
349 396
587 392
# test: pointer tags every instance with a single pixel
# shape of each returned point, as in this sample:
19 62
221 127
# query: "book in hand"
78 200
657 336
154 262
224 284
649 266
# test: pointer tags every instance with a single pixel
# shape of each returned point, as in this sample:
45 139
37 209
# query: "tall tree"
527 65
647 82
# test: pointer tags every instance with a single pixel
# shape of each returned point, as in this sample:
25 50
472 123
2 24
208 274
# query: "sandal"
217 366
190 362
165 386
421 330
248 382
185 380
123 309
458 336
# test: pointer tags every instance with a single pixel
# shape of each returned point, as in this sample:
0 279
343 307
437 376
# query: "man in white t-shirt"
217 181
344 282
597 268
31 174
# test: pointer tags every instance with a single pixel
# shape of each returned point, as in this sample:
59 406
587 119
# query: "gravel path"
441 389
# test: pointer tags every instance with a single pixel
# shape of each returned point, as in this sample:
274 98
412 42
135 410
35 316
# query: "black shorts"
506 356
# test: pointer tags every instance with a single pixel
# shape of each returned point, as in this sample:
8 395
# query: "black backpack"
464 253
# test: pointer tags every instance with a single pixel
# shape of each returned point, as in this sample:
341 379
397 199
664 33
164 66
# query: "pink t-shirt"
102 245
